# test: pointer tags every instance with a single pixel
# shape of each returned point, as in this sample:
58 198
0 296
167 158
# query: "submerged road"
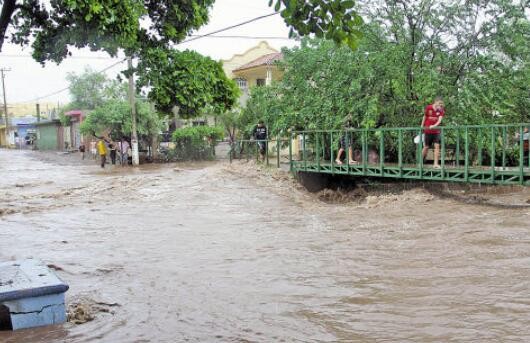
218 253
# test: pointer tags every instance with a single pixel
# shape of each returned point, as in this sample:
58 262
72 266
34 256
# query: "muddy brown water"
213 253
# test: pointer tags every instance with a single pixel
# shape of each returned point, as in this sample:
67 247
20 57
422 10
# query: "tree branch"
8 9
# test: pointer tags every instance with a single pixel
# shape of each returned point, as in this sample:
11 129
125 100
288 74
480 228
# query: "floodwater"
218 253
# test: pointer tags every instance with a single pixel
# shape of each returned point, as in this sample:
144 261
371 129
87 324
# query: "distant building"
22 133
50 135
72 134
46 109
253 68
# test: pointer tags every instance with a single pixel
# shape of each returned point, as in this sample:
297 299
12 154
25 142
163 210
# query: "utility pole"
37 108
134 136
2 71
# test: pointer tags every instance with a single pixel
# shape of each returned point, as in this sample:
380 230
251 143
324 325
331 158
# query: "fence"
276 151
471 153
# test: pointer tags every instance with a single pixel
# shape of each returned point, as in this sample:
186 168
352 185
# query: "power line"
185 41
229 27
67 88
71 57
247 37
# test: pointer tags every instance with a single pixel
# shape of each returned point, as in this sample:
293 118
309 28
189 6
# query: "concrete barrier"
31 295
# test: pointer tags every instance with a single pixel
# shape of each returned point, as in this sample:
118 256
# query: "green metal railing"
249 149
490 154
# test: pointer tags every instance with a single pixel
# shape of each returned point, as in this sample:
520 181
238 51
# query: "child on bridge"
432 118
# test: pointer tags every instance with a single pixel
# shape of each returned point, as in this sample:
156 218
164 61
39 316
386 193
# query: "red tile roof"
74 113
264 60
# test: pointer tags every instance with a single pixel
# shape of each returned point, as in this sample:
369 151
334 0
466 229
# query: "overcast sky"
28 80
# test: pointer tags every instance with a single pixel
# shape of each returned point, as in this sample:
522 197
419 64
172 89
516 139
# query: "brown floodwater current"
218 253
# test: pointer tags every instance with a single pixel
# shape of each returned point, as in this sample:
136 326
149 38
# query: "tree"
333 19
99 24
186 80
114 116
410 52
87 89
136 25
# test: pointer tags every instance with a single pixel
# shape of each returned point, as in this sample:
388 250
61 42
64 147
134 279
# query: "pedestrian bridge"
485 154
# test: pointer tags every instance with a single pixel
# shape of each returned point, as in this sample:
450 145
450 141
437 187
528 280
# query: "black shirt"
260 133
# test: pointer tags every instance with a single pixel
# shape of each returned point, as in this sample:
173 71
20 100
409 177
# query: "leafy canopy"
114 116
410 53
108 25
186 80
107 106
91 89
333 19
53 27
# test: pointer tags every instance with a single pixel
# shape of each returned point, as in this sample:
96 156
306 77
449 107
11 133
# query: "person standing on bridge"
432 118
346 142
260 135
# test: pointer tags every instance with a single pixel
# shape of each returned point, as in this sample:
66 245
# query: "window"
241 83
260 82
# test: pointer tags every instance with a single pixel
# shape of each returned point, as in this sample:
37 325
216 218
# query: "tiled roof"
262 61
74 113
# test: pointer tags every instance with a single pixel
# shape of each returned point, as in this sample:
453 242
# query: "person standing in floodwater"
112 148
260 134
82 150
432 118
124 147
102 151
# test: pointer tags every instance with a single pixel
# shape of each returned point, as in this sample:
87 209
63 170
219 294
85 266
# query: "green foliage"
332 19
410 53
115 116
186 80
91 89
231 121
196 143
54 27
66 120
101 24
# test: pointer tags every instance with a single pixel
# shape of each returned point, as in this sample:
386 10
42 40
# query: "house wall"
2 137
66 137
47 137
263 48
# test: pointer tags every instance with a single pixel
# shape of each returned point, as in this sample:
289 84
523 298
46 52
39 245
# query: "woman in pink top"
123 148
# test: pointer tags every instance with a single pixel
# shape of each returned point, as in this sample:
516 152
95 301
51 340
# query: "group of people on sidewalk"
432 119
106 146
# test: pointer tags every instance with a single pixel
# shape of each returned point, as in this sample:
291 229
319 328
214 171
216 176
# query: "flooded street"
210 253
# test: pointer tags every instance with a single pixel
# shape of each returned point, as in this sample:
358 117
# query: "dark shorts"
262 146
345 142
431 138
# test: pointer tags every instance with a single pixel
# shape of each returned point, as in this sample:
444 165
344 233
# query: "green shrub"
196 143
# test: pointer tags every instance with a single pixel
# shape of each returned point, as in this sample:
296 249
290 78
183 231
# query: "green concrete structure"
49 135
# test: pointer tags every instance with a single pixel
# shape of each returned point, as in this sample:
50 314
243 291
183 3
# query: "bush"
196 143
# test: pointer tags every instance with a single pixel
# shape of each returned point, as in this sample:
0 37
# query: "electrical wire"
67 88
248 37
185 41
229 27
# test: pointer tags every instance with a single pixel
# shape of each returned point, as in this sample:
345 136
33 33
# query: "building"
72 134
46 109
49 135
23 132
253 68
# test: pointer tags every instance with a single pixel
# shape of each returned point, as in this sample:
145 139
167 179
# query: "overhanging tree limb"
8 8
